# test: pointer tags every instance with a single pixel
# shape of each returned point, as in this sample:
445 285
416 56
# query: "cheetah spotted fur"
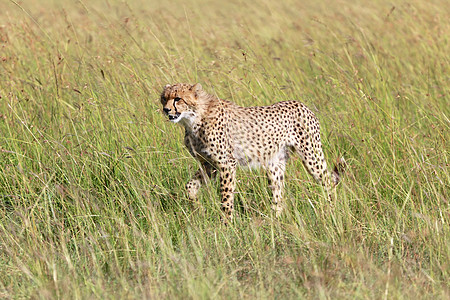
222 135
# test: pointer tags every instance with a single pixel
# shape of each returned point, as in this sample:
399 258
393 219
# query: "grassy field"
92 202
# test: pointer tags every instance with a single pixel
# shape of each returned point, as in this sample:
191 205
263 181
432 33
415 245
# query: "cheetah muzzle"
174 117
222 135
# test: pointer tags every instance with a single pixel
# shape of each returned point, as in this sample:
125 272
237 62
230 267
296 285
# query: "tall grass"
91 185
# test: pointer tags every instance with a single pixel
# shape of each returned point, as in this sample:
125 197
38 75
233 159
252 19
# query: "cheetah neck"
188 120
193 120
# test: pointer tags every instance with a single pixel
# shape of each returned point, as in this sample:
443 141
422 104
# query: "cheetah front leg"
227 187
200 177
275 172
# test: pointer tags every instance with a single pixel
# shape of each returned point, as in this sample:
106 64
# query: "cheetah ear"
167 86
197 87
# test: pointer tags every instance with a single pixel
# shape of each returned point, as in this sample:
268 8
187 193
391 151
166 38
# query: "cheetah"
222 135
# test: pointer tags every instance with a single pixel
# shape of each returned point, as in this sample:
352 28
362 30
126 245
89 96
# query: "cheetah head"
180 101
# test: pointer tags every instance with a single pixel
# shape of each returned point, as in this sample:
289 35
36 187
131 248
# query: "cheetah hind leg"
317 167
275 172
311 153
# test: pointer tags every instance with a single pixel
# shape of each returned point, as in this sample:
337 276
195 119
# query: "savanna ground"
92 203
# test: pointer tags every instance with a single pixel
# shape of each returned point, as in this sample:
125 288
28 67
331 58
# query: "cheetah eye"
176 99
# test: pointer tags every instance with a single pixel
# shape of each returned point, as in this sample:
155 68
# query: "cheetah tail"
339 170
